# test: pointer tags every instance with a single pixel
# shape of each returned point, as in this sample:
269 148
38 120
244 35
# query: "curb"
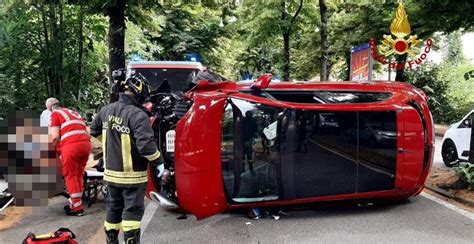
445 193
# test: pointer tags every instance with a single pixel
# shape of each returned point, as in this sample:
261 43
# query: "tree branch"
295 16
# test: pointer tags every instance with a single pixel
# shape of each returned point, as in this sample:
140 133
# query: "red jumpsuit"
75 148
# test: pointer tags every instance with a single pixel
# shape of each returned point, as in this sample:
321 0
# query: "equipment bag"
61 236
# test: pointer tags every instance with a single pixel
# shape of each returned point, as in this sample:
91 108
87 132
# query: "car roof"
368 86
400 91
165 64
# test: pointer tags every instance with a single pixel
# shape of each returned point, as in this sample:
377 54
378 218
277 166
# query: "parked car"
456 141
238 145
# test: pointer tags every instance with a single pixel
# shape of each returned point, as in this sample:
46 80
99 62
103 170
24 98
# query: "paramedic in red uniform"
71 138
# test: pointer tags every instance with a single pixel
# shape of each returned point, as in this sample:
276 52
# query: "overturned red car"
229 145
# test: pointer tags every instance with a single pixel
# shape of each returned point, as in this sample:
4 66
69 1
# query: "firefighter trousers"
125 208
74 157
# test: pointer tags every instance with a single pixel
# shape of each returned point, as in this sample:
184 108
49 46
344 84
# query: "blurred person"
45 117
28 160
128 145
69 135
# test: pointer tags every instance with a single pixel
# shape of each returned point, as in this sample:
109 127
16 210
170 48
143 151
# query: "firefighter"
128 145
69 134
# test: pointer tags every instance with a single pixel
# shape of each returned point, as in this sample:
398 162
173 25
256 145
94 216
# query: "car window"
270 153
317 97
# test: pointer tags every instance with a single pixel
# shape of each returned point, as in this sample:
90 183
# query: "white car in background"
456 141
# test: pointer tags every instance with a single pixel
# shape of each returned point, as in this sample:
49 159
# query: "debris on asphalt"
184 216
248 223
255 213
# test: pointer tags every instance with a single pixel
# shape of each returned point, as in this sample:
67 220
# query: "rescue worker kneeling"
128 145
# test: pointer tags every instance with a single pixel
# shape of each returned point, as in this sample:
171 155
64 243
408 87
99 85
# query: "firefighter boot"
112 236
132 236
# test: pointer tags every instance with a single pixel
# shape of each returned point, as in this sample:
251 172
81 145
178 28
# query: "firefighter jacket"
127 142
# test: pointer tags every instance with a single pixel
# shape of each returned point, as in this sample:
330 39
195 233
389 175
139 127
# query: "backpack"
61 236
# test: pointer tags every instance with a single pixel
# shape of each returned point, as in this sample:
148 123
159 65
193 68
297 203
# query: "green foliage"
426 77
40 44
466 171
39 49
454 54
186 28
450 97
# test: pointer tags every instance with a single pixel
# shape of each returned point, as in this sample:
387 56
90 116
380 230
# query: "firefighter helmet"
139 86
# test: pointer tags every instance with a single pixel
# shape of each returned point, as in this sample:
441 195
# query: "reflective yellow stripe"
44 236
104 144
117 180
129 225
126 153
110 226
125 177
154 156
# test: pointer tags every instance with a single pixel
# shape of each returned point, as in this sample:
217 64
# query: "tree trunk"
286 37
286 42
61 49
53 51
48 73
401 72
81 51
116 38
347 75
324 41
471 148
286 50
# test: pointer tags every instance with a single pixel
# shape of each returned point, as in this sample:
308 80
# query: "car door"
463 136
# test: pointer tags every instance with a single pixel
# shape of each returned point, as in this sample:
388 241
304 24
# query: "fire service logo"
403 43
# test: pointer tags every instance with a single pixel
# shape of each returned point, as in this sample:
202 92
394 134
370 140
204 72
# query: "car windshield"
177 80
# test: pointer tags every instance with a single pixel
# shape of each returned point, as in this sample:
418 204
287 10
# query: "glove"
160 169
159 165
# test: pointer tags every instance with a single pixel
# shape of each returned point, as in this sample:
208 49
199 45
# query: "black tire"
449 153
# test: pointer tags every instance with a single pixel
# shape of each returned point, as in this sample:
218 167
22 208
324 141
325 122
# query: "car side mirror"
467 122
262 82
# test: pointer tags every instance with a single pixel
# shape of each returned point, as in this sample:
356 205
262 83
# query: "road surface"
420 220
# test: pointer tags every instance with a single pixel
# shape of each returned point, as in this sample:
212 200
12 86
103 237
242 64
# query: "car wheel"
449 153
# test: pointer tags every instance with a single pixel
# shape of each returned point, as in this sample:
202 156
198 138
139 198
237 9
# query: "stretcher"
93 186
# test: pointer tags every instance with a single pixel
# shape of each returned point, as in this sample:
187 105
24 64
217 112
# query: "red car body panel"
199 178
196 157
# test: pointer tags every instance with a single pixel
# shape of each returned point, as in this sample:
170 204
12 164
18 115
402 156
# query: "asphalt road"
420 220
